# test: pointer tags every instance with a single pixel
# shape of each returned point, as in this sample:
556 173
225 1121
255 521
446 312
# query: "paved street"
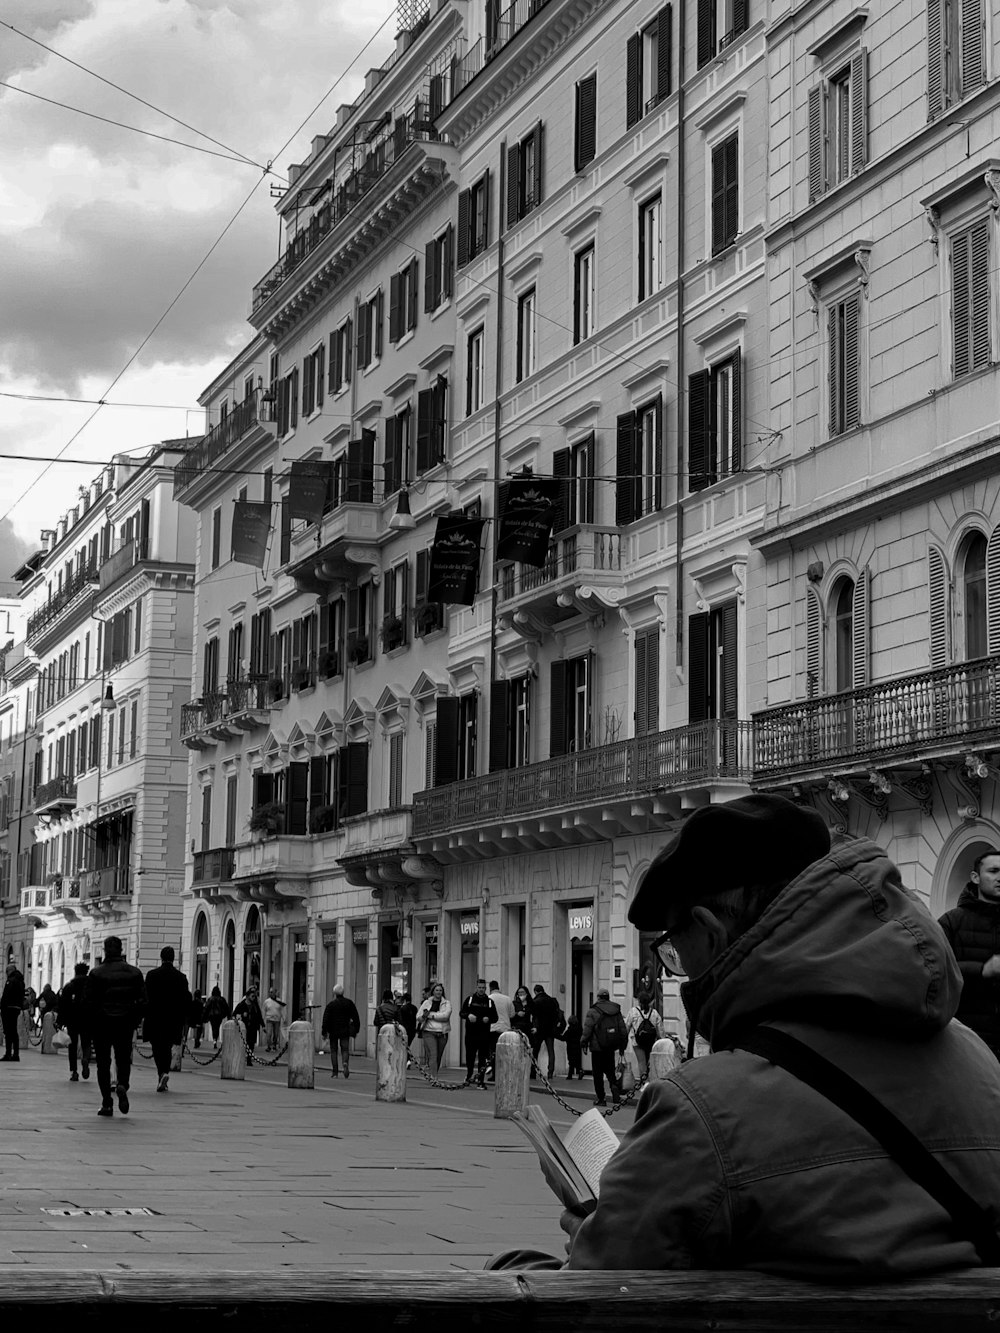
255 1176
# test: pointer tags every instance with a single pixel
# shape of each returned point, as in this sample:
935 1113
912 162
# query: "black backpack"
645 1034
608 1032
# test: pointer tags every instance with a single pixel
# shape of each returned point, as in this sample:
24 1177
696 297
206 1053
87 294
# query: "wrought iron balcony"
905 718
663 761
83 581
586 558
508 25
51 797
121 562
214 866
242 418
107 882
193 733
248 702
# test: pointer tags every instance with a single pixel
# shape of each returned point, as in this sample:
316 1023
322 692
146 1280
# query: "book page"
591 1143
561 1172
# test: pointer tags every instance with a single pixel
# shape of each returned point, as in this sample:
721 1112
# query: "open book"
572 1165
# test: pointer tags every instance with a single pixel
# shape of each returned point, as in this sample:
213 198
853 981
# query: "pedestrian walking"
604 1036
523 1017
341 1022
433 1026
48 1000
408 1017
479 1013
168 1008
73 1014
386 1012
574 1052
272 1019
116 996
12 1003
250 1012
504 1006
196 1019
548 1019
972 929
644 1027
216 1012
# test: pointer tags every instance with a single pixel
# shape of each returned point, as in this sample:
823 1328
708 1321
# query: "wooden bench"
302 1302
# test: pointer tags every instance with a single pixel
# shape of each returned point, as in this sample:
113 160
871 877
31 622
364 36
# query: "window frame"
584 301
475 370
527 335
650 245
725 195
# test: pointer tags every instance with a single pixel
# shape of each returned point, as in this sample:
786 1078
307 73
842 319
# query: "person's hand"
570 1222
472 1018
991 968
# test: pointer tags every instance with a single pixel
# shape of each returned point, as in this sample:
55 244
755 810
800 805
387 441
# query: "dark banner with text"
251 529
527 518
307 488
455 554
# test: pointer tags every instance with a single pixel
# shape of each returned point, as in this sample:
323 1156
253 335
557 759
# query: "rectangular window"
648 60
216 537
843 353
715 447
971 286
428 616
580 499
396 463
725 194
288 402
585 134
639 462
403 302
838 125
359 625
956 51
720 22
432 417
525 335
524 176
206 818
133 729
341 340
647 681
232 807
313 373
570 704
332 621
475 394
650 256
468 709
474 220
712 664
439 263
510 723
396 605
395 766
584 295
369 339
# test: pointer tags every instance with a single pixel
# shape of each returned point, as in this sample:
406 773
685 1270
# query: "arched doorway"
62 966
201 953
229 961
251 950
956 861
974 596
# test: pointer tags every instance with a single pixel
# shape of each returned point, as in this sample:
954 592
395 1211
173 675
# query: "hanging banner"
307 488
455 554
251 529
526 522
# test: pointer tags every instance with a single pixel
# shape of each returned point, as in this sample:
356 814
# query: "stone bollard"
234 1053
512 1072
176 1056
663 1059
23 1029
390 1064
48 1029
301 1072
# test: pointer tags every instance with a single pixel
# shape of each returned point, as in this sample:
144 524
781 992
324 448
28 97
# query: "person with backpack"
605 1036
644 1026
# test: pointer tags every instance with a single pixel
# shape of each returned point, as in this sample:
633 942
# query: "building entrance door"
359 984
469 973
300 973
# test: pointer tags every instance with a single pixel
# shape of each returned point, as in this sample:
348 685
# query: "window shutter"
979 255
297 799
391 474
439 417
732 201
817 135
664 51
293 399
536 183
560 470
320 362
446 741
814 627
355 778
483 239
658 454
736 424
464 215
729 703
586 122
852 319
379 319
718 198
633 80
348 336
431 278
499 725
741 16
513 172
334 380
647 682
448 261
557 709
590 485
308 389
423 573
937 607
361 340
700 430
698 666
861 629
973 53
424 442
626 509
834 370
935 58
706 31
993 592
859 110
395 330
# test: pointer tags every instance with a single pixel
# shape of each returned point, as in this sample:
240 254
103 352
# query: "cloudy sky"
101 227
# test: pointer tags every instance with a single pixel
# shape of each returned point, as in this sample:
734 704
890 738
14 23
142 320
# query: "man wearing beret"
733 1160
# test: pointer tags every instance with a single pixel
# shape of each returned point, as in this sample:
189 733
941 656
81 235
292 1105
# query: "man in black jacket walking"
116 996
973 931
480 1013
547 1012
73 1014
168 1005
341 1022
11 1004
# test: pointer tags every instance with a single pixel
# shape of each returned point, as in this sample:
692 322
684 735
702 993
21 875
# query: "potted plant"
329 663
393 632
268 819
54 877
357 648
302 678
428 617
323 819
276 688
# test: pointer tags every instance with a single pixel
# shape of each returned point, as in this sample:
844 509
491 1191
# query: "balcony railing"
108 882
220 714
591 551
214 866
34 899
220 439
346 198
60 791
191 720
907 715
664 760
509 24
84 578
247 694
121 562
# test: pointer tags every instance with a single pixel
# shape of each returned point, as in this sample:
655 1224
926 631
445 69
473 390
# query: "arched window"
843 636
229 961
201 954
974 596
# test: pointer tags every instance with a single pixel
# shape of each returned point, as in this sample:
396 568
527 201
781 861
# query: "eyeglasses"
665 952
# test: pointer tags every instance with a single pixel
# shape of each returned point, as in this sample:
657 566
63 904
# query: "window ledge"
404 338
638 178
586 218
472 305
854 253
838 35
401 386
521 267
440 308
733 104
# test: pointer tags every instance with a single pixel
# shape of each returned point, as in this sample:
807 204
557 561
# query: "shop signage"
359 934
300 946
431 932
470 924
251 939
581 923
329 937
201 950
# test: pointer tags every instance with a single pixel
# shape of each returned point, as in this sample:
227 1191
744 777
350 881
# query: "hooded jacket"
734 1163
603 1015
973 931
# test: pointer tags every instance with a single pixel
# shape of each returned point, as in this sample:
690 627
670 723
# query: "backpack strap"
973 1222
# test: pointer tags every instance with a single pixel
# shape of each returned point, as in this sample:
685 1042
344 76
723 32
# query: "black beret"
753 840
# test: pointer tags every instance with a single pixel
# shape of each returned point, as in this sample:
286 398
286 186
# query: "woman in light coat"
433 1026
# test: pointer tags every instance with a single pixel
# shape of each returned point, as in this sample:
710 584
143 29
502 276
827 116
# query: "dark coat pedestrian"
408 1017
11 1004
605 1036
73 1014
168 1006
574 1053
523 1017
972 929
217 1010
341 1022
116 996
479 1013
48 1000
387 1011
253 1019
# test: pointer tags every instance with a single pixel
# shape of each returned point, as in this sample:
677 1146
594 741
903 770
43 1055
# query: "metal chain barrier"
422 1069
607 1112
196 1060
251 1058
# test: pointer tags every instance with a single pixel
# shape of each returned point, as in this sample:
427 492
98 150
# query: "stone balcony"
582 571
274 870
243 706
56 797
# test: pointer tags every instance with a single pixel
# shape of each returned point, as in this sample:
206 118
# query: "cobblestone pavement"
254 1175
